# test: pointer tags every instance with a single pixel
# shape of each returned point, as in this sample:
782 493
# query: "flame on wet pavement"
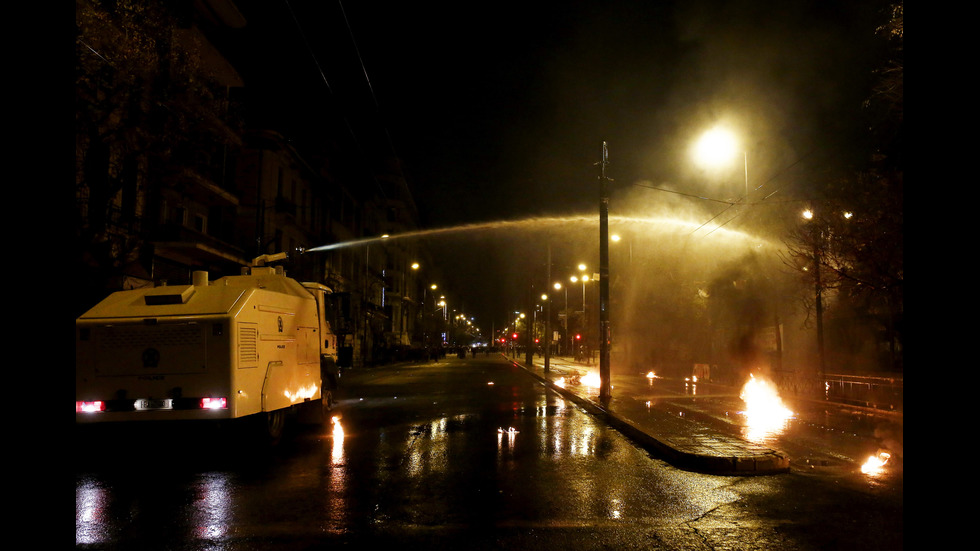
591 379
876 463
765 414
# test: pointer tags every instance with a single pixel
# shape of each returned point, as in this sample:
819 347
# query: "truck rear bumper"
152 415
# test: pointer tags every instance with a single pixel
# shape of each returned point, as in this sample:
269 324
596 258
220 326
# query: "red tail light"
89 407
214 403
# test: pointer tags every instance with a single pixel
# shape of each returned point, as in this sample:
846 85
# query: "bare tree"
143 105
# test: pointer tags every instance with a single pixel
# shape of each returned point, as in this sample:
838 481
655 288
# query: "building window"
302 208
200 223
178 216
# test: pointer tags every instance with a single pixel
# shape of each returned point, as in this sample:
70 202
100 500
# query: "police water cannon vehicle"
255 346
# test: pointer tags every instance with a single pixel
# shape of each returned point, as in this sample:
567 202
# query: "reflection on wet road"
464 453
815 432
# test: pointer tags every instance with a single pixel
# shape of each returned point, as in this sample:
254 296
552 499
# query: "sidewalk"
682 443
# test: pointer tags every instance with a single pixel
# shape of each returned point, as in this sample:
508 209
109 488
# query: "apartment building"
171 177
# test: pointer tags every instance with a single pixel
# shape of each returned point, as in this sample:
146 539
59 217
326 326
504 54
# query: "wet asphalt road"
461 454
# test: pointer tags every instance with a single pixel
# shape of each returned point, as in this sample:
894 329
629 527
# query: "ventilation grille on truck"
142 336
248 341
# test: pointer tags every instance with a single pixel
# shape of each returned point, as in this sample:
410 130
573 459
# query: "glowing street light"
564 322
584 278
616 238
818 295
717 147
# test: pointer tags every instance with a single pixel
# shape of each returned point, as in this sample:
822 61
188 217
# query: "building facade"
172 178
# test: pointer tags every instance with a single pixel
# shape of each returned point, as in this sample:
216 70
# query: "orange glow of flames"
303 393
591 380
876 463
764 410
337 450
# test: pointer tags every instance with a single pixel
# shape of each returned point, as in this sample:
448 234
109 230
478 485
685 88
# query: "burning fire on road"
765 414
337 450
876 463
591 380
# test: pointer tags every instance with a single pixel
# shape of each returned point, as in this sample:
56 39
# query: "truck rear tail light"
214 403
89 407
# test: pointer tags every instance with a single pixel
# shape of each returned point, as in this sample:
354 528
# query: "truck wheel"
273 423
316 412
326 404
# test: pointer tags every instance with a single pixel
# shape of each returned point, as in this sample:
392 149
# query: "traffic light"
578 336
514 336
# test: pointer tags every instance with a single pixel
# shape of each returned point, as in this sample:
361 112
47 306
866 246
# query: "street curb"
770 463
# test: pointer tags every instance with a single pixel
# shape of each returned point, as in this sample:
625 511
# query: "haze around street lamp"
716 147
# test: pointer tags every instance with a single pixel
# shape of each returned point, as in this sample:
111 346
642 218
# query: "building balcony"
185 245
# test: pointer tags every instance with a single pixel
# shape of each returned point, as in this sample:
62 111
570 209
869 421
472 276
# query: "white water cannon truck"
257 345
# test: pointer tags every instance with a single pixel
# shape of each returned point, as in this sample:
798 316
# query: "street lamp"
717 147
817 291
616 238
584 279
564 322
425 314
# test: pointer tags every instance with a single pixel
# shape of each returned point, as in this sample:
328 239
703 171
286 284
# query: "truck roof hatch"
178 294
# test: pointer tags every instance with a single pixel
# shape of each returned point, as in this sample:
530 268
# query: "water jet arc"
538 223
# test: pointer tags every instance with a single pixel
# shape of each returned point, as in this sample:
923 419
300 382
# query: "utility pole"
818 297
605 386
547 314
529 325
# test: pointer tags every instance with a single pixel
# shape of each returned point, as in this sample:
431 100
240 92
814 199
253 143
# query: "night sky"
499 110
